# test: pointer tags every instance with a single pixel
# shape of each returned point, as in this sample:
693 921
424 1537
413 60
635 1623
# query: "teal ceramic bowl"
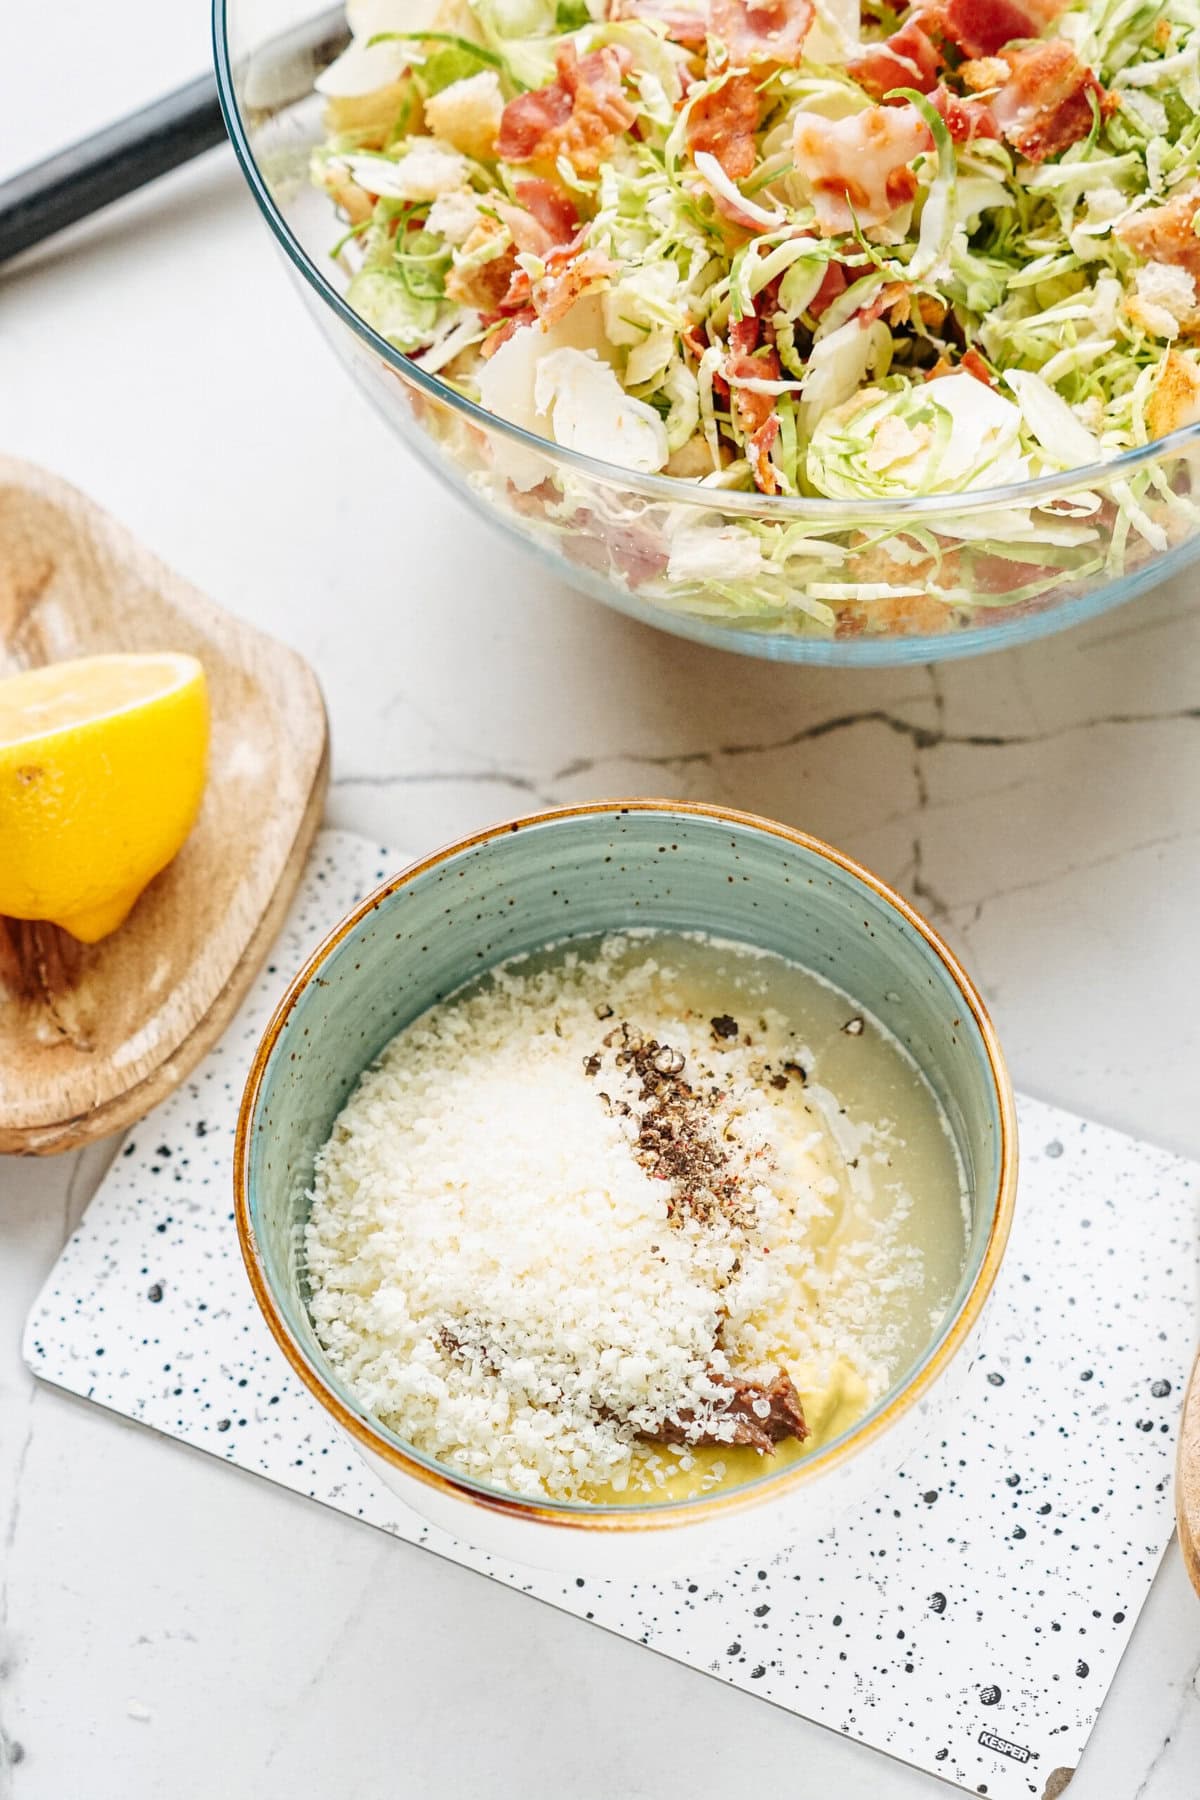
521 886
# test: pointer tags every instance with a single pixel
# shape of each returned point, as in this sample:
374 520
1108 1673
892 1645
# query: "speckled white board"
970 1623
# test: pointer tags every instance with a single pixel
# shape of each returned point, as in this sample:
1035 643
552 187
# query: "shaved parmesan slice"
1050 420
507 380
428 170
983 444
363 68
590 411
367 18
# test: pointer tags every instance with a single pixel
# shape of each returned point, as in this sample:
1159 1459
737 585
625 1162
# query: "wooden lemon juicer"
92 1036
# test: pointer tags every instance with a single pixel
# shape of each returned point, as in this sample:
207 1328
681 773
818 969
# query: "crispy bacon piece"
758 448
545 224
982 27
744 334
833 282
554 211
531 502
997 575
528 231
693 339
857 168
486 287
569 275
908 59
766 305
579 115
570 272
1046 105
749 358
530 120
764 1414
637 553
974 365
724 123
584 547
770 33
505 330
751 410
684 24
965 119
971 364
1165 233
894 298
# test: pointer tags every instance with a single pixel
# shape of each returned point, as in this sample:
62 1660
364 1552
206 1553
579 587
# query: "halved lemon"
102 770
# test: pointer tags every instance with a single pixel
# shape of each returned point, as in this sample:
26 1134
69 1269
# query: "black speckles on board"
1010 1559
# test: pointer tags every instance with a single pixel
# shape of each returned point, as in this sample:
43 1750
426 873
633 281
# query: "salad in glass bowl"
813 328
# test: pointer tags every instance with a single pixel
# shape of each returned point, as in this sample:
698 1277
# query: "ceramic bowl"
583 870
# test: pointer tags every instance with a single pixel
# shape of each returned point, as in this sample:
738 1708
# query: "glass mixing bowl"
841 581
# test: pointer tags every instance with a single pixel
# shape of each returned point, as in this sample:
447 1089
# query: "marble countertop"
171 1627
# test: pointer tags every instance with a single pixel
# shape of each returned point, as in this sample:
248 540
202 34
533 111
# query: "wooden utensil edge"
127 1108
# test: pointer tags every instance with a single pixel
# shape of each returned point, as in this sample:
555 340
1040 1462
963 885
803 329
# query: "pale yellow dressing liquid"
883 1139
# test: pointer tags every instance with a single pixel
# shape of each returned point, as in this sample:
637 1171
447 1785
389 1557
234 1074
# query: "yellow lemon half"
102 768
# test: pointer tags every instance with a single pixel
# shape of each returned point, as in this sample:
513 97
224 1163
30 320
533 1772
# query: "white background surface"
1051 826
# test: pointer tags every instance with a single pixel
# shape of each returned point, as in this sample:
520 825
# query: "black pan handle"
93 173
81 179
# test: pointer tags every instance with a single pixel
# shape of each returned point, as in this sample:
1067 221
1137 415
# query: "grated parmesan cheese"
500 1272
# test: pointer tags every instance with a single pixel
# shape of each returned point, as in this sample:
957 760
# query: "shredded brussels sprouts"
832 252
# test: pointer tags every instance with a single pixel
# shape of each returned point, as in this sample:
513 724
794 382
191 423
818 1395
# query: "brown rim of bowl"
649 1517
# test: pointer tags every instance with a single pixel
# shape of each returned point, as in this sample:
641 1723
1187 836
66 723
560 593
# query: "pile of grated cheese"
501 1280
